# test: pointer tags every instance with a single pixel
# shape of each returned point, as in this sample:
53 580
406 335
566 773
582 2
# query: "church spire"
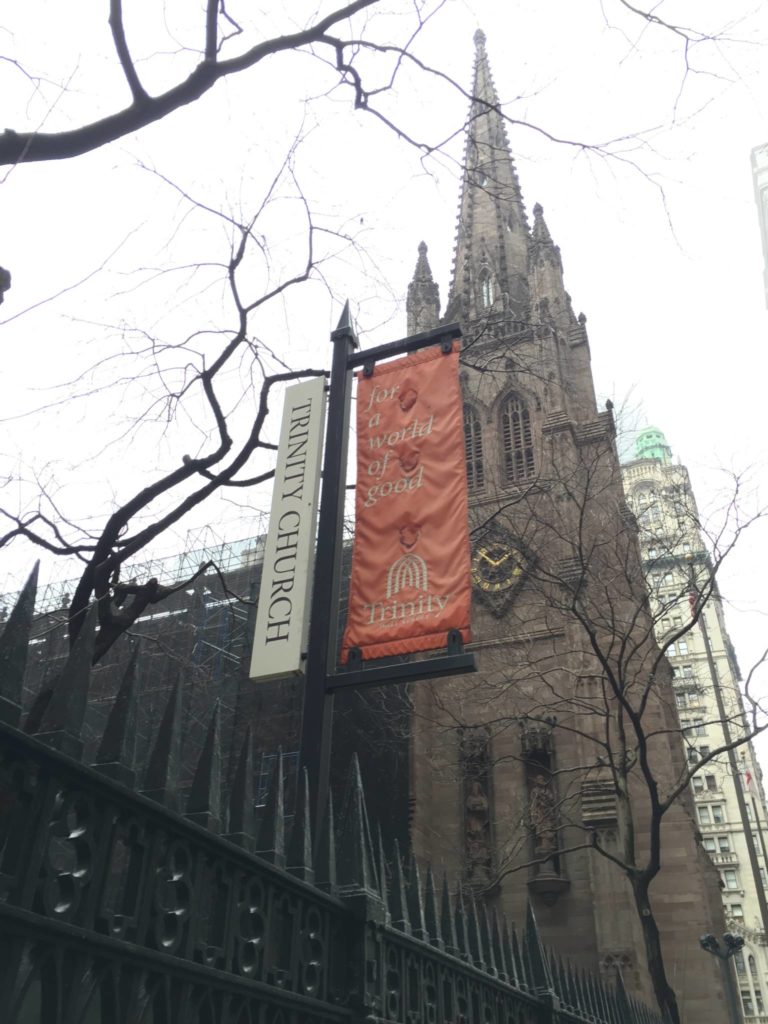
490 274
423 302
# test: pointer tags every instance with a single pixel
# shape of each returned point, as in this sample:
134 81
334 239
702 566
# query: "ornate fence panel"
115 908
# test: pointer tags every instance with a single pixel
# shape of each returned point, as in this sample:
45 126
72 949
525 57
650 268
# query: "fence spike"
462 929
606 999
521 968
603 1001
116 755
558 980
356 869
498 952
62 720
592 995
299 855
485 941
431 914
271 841
382 869
614 1015
510 962
398 902
416 901
325 857
204 801
161 781
570 986
541 975
447 923
583 990
242 821
473 933
14 647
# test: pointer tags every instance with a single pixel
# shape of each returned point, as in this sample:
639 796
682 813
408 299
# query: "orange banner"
411 563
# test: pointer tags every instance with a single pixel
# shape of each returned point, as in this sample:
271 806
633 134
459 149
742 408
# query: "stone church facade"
527 778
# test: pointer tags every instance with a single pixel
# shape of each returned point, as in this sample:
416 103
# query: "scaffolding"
201 546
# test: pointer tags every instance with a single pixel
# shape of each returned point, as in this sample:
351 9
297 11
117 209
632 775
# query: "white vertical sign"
289 555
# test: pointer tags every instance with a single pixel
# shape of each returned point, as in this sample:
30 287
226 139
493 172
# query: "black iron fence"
120 906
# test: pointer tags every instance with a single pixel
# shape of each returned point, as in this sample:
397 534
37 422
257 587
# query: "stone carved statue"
543 815
477 833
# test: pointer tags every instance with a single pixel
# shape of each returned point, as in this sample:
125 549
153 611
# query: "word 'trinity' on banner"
411 560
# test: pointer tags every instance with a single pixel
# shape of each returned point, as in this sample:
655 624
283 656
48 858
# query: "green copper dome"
651 444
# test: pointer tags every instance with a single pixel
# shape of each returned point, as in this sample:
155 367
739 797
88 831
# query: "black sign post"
323 675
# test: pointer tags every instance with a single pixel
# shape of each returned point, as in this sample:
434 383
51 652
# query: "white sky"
671 281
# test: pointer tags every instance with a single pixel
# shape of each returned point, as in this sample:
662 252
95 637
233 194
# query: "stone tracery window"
517 440
486 288
473 449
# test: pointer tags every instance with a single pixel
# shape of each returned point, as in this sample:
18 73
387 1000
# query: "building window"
736 911
688 671
731 879
486 289
699 728
711 781
759 1001
724 844
718 815
746 999
517 438
682 647
698 784
704 817
752 966
709 845
741 967
473 449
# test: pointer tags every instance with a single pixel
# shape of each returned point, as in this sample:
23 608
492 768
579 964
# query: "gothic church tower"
523 773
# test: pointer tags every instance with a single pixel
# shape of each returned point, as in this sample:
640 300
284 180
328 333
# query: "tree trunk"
665 995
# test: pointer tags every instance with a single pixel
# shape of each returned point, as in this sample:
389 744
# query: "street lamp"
731 945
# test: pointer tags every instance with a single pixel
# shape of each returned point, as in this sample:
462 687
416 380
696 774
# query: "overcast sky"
659 232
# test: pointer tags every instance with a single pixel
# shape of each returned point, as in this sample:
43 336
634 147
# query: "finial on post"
344 328
479 38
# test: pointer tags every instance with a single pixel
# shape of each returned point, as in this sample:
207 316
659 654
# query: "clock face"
496 566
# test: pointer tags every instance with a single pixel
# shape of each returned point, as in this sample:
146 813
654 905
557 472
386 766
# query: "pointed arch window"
473 449
517 440
486 289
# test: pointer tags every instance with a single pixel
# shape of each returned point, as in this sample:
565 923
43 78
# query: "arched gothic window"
473 449
486 289
517 439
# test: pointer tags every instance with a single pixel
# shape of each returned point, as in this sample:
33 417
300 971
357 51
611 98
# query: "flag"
411 573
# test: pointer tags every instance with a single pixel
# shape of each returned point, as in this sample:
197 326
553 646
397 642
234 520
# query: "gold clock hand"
496 562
